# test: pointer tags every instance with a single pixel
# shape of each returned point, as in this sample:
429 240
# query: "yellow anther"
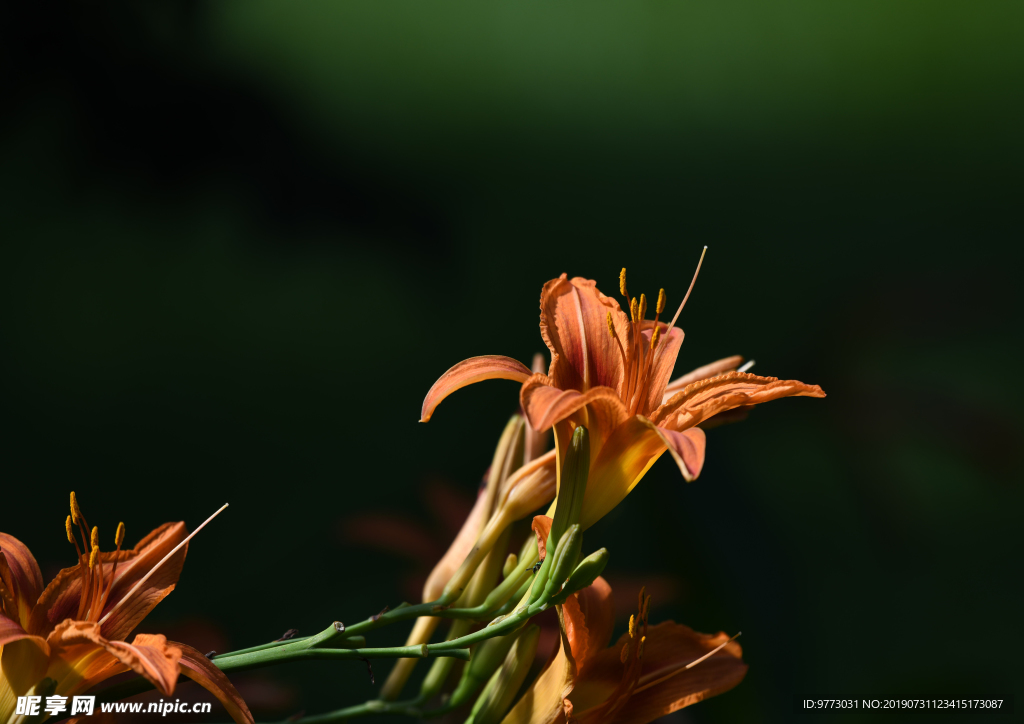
67 527
622 281
119 536
93 557
76 512
611 326
94 539
633 309
632 626
661 301
643 306
654 337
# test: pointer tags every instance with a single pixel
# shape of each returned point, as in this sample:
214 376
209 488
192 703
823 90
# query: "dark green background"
243 239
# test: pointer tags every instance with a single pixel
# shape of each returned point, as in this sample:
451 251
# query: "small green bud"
563 561
587 571
506 681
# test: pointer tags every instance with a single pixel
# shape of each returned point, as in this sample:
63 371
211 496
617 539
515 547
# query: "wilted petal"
573 323
687 449
705 398
20 579
201 670
726 364
474 369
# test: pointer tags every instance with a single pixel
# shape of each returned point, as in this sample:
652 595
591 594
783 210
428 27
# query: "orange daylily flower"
610 373
74 630
648 673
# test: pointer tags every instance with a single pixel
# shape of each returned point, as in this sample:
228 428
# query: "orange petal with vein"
20 578
573 323
702 399
202 671
726 364
687 449
474 369
545 405
148 655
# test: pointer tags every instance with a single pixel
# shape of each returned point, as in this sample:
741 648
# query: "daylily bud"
486 659
566 556
506 682
587 571
510 565
573 485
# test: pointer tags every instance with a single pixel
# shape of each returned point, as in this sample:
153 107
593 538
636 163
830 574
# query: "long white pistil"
163 560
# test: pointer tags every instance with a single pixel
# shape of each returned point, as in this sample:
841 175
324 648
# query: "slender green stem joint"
572 486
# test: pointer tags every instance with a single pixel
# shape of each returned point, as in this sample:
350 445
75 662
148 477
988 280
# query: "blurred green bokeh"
243 239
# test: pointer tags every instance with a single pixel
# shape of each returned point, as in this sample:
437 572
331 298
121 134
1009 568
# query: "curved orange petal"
599 410
726 364
466 372
202 671
702 399
661 366
61 598
148 655
573 323
687 449
589 617
621 462
21 582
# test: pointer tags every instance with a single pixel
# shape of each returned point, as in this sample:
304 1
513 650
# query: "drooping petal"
726 364
201 670
148 655
687 449
661 366
573 323
627 454
702 399
21 582
474 369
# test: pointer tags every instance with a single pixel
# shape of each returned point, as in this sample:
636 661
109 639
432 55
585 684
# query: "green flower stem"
281 654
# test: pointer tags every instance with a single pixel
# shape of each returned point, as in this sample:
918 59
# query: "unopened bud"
587 571
490 708
566 556
486 659
572 486
510 565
